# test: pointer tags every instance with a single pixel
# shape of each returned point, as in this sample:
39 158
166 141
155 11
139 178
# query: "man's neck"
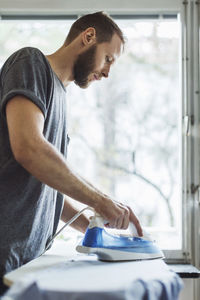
62 62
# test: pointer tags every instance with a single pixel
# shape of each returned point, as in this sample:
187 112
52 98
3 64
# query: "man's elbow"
23 153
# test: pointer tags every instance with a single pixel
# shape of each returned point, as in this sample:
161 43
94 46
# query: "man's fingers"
136 222
126 219
122 220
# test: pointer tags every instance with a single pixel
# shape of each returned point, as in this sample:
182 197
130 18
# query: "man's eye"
108 59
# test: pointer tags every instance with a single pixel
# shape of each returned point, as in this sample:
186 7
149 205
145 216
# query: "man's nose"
105 72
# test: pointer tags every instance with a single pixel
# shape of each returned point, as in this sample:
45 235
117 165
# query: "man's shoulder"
30 53
26 58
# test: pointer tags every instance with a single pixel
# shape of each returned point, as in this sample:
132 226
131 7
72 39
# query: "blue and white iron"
110 247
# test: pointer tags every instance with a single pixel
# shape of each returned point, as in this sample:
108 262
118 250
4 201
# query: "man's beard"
84 66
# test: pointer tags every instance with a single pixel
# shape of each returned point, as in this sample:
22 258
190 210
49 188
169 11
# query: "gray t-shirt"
29 209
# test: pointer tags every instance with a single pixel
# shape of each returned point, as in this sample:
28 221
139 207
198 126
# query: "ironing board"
61 274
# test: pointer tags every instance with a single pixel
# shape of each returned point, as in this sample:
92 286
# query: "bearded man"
34 175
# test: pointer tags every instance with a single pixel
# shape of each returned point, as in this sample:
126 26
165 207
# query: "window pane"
45 35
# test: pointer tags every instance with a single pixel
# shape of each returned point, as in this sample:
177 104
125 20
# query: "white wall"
188 292
80 6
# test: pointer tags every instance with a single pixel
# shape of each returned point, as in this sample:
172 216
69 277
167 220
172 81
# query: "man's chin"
82 85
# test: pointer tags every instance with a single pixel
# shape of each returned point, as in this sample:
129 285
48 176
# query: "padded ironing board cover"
91 279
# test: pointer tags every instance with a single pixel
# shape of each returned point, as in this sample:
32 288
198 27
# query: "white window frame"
189 13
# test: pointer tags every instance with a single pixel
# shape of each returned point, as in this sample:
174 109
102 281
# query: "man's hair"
105 28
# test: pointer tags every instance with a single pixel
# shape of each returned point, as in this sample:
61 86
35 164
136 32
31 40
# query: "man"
34 174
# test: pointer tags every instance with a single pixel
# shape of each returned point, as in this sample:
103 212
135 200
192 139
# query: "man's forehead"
115 46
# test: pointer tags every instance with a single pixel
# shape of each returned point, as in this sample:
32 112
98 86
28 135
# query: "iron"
109 247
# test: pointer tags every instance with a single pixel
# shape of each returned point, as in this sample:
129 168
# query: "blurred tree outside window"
125 130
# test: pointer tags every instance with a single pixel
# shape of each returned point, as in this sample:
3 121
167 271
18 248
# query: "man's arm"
40 158
68 212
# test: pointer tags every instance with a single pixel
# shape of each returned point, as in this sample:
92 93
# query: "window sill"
185 270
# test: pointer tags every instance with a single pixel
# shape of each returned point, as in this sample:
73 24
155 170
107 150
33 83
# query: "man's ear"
89 36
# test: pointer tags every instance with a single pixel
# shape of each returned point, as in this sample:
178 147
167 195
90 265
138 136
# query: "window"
126 132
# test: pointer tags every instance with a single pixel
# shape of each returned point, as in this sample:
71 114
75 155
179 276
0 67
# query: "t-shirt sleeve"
27 77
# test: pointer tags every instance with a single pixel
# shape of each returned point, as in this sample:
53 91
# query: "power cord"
76 216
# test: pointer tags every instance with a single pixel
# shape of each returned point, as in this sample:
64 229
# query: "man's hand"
118 215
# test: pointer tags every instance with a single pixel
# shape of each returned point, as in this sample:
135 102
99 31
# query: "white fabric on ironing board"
82 277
